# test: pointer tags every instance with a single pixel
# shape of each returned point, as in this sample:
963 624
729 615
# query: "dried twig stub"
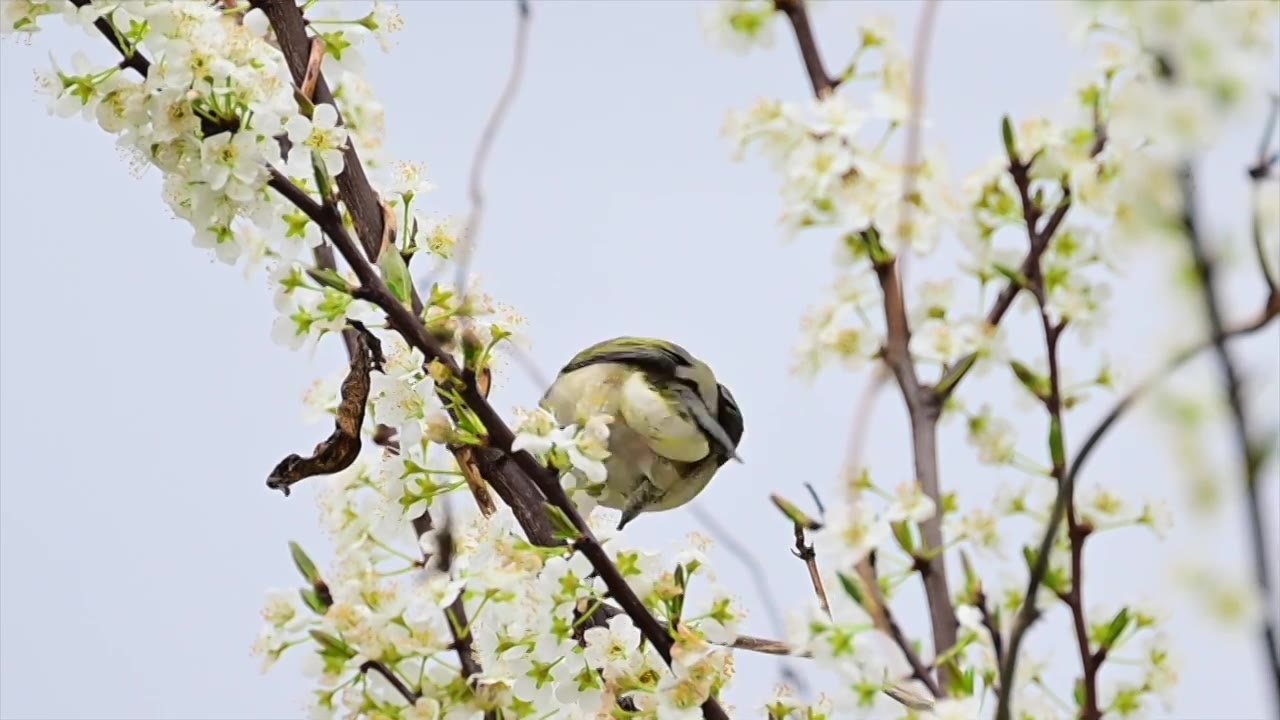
339 450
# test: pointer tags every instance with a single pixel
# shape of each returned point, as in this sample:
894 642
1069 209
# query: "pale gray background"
144 401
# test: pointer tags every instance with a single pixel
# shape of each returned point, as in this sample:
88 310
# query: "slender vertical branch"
804 551
1258 172
922 404
1248 456
475 187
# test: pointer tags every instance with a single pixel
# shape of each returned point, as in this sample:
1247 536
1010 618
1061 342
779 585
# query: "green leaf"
330 279
1115 628
948 382
902 533
1013 275
1035 384
851 587
1006 133
313 600
564 528
794 514
396 274
972 583
332 645
1079 692
304 564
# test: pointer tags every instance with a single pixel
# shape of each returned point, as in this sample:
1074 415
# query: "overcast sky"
144 401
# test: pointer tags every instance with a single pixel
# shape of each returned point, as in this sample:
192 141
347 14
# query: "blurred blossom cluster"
1166 78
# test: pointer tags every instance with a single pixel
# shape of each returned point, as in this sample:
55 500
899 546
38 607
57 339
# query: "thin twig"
1258 172
923 405
390 677
475 189
804 551
766 646
915 122
764 589
822 82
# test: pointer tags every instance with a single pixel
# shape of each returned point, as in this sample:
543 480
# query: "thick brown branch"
357 194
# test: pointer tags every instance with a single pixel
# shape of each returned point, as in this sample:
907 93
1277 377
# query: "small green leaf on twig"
794 514
1035 384
851 587
332 645
314 600
564 528
304 564
1006 132
330 279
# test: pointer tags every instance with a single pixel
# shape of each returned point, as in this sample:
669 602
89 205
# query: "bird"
673 424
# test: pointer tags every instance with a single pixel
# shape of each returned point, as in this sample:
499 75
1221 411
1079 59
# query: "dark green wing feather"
659 357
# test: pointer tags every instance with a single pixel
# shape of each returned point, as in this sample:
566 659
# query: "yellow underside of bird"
652 440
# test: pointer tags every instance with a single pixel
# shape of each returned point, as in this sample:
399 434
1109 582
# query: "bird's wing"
659 414
655 356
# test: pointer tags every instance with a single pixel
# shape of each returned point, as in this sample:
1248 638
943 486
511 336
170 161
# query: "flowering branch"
357 194
500 437
923 405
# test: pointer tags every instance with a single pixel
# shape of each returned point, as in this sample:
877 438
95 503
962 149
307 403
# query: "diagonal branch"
822 82
522 479
500 436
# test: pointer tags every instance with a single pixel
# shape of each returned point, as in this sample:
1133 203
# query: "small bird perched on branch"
673 424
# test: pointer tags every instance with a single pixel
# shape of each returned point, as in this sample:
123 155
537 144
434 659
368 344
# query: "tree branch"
922 403
366 209
500 437
822 82
1258 172
357 194
475 187
1249 457
1027 613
